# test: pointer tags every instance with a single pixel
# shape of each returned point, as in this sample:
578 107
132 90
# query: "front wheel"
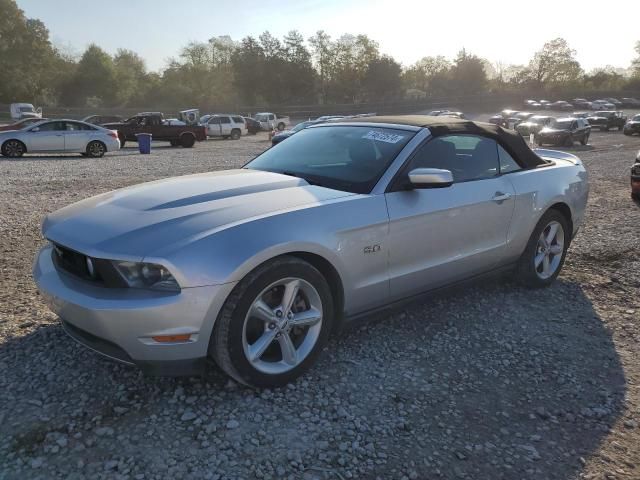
13 149
274 324
542 260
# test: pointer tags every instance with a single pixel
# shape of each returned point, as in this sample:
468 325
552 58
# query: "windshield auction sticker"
383 137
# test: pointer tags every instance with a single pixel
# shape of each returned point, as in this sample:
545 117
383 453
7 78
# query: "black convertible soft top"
510 140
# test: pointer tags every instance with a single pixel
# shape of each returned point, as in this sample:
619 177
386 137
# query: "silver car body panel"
212 229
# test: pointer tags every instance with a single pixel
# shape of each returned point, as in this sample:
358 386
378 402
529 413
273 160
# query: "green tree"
468 73
321 46
383 78
130 76
28 62
554 64
429 74
248 69
635 63
94 81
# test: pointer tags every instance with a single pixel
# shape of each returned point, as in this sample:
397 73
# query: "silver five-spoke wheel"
549 250
282 325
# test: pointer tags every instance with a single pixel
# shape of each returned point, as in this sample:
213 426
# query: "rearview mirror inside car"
430 178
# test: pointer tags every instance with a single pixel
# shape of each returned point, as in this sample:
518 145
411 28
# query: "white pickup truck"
272 121
24 110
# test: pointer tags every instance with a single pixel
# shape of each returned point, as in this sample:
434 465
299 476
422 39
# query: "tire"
187 140
96 149
123 141
534 276
236 332
281 126
13 149
235 134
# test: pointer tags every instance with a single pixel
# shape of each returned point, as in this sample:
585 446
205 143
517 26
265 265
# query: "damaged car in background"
254 268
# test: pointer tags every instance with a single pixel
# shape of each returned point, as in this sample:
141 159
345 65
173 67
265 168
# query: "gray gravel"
487 382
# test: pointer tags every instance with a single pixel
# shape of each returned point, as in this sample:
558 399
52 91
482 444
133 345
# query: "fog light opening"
172 338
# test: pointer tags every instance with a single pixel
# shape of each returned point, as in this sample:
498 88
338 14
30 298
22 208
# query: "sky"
501 31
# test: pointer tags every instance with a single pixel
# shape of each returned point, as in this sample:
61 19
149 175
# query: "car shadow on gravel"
490 381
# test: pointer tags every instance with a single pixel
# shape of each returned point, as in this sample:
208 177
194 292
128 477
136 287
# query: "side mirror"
430 178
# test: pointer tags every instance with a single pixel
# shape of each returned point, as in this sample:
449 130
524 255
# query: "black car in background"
630 102
564 131
253 126
635 179
101 119
606 120
632 126
499 120
280 136
581 103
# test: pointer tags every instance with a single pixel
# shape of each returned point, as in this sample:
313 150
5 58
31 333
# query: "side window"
52 127
507 163
225 120
468 157
238 119
214 121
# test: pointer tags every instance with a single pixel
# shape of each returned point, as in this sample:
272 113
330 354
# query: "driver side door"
438 236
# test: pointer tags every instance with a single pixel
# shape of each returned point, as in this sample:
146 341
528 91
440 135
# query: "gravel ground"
487 382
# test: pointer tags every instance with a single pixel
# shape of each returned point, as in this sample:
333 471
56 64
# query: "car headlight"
146 275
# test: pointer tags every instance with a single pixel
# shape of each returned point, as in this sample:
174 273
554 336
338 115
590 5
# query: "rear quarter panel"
540 188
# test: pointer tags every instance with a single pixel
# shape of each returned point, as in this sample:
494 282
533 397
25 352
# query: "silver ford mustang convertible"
255 267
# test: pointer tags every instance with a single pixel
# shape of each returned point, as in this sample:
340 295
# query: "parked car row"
608 103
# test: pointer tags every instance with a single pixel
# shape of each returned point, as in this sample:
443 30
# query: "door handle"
501 197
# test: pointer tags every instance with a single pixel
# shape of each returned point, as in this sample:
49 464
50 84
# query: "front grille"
75 263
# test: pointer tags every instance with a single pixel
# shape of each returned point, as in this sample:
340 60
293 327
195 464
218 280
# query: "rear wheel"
542 260
13 148
187 140
235 134
274 324
96 149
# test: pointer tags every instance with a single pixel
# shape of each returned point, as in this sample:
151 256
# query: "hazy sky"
509 32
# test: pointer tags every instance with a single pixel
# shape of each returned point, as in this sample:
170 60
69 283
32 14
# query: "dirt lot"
489 382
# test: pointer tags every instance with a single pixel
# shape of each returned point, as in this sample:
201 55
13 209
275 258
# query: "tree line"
269 70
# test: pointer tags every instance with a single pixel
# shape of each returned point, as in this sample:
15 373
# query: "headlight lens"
147 275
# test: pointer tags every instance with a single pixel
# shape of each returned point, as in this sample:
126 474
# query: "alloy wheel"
96 149
282 326
14 148
549 250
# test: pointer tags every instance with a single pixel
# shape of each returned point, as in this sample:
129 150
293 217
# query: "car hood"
137 221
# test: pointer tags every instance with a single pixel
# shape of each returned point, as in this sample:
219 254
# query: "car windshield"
348 158
562 124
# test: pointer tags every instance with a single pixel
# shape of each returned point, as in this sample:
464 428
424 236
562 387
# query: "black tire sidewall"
526 271
4 151
187 140
235 310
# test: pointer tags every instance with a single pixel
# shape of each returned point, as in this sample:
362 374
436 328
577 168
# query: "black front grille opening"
104 273
96 343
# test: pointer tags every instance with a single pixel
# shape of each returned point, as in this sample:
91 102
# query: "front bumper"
120 323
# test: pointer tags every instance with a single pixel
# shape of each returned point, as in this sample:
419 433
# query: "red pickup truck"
177 134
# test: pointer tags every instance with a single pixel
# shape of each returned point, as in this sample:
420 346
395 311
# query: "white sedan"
59 136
